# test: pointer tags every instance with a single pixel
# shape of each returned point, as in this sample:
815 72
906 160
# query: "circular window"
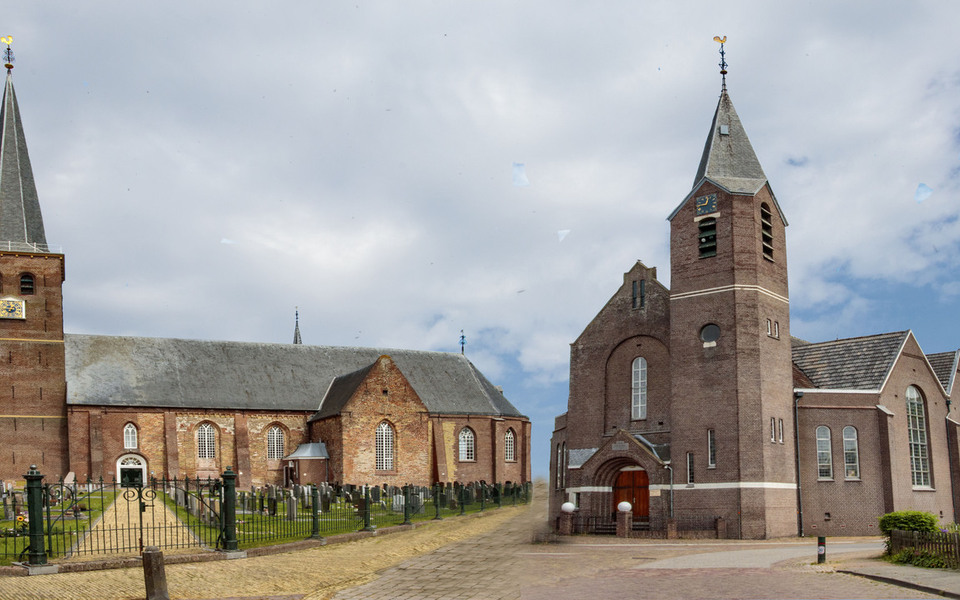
710 333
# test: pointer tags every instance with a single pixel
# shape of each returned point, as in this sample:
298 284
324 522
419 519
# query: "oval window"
710 333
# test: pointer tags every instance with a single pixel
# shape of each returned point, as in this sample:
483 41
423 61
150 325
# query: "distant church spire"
21 224
296 326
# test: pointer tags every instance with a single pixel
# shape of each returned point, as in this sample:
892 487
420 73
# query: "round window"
710 333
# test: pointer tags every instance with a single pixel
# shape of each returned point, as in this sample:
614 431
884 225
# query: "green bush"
919 558
908 520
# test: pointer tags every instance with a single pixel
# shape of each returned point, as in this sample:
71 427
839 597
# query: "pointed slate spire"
296 328
21 224
728 158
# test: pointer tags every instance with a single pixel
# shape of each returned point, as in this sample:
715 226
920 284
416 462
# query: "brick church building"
131 408
696 405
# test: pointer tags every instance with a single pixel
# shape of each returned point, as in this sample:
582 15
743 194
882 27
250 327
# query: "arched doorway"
633 486
131 470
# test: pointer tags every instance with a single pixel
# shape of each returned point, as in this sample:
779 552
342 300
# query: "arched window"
467 446
851 453
708 237
917 428
206 441
766 231
824 454
130 436
638 405
564 463
385 447
26 284
275 443
509 446
559 466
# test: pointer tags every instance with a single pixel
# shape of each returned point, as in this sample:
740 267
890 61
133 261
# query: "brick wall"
33 416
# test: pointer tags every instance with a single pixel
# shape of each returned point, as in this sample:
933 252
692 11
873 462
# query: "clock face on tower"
12 309
706 204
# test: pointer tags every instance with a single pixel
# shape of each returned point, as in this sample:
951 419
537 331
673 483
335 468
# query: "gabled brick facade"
724 397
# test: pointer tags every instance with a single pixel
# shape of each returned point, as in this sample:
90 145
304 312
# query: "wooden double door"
633 487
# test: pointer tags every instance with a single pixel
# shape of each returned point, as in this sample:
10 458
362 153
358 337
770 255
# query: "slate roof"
728 158
309 451
860 363
21 224
340 392
176 373
945 366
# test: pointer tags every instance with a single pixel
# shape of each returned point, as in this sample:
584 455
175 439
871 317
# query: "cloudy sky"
209 166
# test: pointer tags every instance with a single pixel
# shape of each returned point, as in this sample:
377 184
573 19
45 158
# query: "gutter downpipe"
667 466
796 440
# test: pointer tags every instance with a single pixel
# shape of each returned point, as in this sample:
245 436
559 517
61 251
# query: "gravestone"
291 508
375 494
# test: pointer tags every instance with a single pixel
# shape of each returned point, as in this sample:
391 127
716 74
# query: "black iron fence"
85 520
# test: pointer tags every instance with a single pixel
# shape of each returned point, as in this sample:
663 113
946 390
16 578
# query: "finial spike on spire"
463 341
296 327
8 53
723 62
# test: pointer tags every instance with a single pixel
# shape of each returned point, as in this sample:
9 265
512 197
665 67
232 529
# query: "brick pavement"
490 557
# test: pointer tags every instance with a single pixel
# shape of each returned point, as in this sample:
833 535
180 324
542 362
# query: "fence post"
37 554
406 505
315 511
483 495
499 490
436 500
367 526
463 496
229 510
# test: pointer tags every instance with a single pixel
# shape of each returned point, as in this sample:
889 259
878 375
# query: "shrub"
919 558
908 520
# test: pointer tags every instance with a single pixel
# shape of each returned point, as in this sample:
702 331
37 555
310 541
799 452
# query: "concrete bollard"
565 525
624 519
154 575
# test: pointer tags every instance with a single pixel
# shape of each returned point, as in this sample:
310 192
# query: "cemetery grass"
66 526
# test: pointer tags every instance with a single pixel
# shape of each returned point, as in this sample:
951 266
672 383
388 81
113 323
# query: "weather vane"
8 53
463 341
723 61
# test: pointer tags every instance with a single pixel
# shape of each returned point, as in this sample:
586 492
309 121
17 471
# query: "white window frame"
851 453
690 469
206 441
824 454
467 445
130 437
638 403
780 430
276 443
711 449
510 446
385 447
917 435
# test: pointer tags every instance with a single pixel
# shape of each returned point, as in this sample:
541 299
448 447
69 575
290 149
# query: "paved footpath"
498 561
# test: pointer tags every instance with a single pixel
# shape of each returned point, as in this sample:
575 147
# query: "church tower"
33 418
732 447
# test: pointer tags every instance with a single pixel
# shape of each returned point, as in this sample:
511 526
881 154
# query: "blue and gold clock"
706 204
11 308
